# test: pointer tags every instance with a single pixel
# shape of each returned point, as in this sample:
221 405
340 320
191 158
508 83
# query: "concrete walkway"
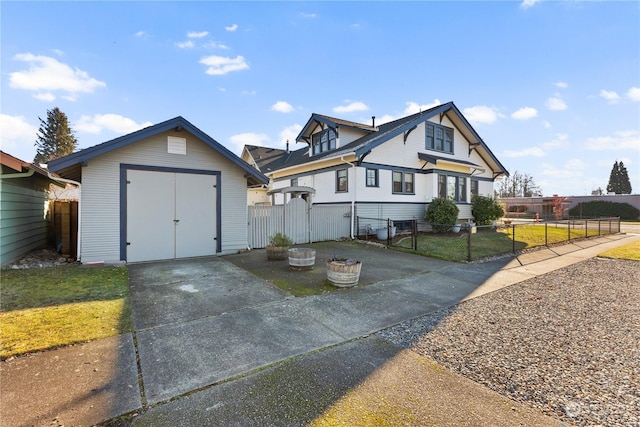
217 346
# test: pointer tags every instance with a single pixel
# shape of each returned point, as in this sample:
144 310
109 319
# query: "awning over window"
443 161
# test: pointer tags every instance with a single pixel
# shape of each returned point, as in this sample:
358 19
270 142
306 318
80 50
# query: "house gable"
70 166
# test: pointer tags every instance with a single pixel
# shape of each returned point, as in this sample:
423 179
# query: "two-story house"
388 171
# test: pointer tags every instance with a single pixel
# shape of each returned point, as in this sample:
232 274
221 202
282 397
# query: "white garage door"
170 215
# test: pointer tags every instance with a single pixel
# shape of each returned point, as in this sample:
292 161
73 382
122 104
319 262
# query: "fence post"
469 243
513 237
414 234
586 228
546 234
568 230
388 231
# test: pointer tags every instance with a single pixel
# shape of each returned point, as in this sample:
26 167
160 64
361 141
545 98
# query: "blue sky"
553 87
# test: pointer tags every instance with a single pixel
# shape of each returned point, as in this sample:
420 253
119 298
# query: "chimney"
287 145
373 121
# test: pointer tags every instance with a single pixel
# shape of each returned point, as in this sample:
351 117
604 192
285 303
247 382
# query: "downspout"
353 198
76 183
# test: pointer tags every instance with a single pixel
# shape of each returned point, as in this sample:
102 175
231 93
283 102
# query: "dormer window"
323 141
438 138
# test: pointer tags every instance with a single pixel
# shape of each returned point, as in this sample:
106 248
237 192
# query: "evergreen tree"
614 178
55 138
625 183
619 179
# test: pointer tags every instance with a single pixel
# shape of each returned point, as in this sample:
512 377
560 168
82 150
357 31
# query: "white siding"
101 193
347 135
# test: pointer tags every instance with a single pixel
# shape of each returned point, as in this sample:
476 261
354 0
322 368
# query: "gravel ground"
567 342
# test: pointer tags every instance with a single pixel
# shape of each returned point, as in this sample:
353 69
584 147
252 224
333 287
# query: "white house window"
475 187
294 182
403 182
323 141
438 138
372 177
341 181
452 187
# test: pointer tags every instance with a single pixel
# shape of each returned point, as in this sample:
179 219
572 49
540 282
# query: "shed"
24 195
164 192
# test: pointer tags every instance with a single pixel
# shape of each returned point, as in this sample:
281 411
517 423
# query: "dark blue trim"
124 167
179 122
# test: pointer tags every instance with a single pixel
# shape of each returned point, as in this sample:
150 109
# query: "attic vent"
176 145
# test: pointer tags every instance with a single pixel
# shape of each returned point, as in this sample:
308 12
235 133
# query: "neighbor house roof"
11 165
70 166
381 134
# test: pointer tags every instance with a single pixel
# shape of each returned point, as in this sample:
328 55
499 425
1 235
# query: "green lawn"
486 243
629 251
51 307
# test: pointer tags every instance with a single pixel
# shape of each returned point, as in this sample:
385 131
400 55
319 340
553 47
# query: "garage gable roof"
68 163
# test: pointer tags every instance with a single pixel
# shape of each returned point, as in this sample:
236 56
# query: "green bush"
600 208
485 210
280 239
442 214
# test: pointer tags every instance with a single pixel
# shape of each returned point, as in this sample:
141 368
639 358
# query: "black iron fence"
468 242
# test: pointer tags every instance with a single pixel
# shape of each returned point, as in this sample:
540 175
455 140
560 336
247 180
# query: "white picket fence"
301 222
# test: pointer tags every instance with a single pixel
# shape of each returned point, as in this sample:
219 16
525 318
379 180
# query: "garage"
164 192
170 215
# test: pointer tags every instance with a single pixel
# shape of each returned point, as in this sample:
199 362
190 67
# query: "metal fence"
468 242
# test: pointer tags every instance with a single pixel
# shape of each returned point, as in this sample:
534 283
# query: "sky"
552 87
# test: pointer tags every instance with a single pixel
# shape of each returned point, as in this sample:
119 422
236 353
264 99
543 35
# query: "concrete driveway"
205 320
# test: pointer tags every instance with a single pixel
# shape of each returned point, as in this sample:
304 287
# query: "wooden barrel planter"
277 253
343 273
302 258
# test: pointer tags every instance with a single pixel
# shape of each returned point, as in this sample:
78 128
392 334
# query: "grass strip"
52 307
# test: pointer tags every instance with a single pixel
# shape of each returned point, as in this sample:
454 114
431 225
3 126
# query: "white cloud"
282 107
480 114
610 96
525 152
411 108
634 94
561 85
220 65
289 134
249 138
524 113
572 168
197 34
47 74
556 104
560 141
110 122
309 15
350 107
185 45
546 124
57 52
231 28
249 92
526 4
16 132
45 96
621 140
215 45
141 34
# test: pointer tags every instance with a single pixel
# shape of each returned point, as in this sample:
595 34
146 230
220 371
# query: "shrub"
485 209
280 239
599 208
442 214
